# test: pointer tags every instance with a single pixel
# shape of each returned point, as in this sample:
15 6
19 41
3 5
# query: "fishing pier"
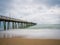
12 23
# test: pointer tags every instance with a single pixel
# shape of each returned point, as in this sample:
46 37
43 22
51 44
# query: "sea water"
45 26
38 26
50 31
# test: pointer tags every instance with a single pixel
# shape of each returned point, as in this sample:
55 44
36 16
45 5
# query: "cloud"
48 2
32 10
4 6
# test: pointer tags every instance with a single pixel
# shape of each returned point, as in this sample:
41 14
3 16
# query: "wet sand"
30 37
25 41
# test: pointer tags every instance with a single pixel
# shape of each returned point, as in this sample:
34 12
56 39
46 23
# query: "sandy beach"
30 37
23 41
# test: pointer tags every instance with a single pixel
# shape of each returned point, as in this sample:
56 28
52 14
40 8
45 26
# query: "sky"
38 11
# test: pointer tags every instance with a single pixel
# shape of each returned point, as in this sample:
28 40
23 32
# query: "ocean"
45 26
38 26
45 31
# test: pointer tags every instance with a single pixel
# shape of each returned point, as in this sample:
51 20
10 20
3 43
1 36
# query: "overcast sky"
39 11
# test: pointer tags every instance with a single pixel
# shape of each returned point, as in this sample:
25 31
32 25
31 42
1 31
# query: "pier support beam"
0 24
24 25
19 25
8 25
4 25
13 25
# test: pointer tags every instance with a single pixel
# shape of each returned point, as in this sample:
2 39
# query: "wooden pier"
16 23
